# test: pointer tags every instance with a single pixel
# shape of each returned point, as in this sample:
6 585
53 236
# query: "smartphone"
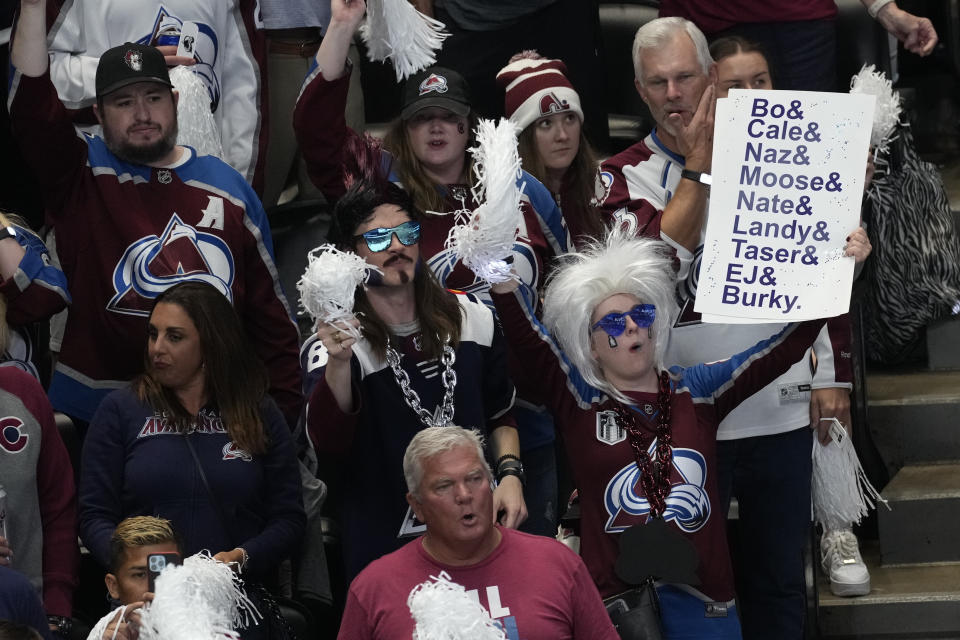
188 39
157 562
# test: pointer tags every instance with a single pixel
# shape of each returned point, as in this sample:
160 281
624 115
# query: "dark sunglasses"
614 324
380 238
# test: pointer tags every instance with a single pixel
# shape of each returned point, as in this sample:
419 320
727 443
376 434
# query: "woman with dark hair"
195 440
741 64
424 356
540 100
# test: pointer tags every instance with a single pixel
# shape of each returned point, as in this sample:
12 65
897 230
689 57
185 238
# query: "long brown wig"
235 379
437 309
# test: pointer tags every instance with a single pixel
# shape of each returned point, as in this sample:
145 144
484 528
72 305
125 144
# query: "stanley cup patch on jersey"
608 430
152 264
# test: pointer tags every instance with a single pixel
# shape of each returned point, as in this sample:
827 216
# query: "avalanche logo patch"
433 83
550 104
688 505
153 264
233 452
12 438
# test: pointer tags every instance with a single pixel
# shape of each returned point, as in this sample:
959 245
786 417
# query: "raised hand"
858 245
917 34
695 140
347 11
338 343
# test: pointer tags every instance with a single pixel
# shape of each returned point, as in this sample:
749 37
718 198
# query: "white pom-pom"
328 286
196 125
841 492
442 610
202 599
483 239
395 29
886 114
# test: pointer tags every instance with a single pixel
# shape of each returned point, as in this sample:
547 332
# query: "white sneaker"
840 557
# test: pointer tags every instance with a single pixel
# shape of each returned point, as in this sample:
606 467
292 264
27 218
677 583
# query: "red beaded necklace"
654 474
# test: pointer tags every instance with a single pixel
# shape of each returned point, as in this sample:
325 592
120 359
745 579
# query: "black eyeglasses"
614 324
380 238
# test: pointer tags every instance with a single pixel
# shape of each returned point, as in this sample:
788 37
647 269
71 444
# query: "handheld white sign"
788 172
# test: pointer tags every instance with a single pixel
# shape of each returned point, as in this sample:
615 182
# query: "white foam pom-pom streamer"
328 286
842 494
483 239
196 125
202 599
886 114
442 610
394 29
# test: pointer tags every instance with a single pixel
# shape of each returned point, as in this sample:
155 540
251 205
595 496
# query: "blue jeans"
682 616
770 475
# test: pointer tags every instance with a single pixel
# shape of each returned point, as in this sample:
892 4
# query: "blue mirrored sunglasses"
380 238
614 324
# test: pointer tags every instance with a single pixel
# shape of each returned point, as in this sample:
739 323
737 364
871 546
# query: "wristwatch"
9 231
696 176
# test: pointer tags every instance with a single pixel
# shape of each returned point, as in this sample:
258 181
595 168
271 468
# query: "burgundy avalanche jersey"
127 232
604 468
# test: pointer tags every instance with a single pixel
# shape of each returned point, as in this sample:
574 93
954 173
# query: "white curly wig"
619 264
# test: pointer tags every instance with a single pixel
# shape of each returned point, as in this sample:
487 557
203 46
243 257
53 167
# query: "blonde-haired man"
133 540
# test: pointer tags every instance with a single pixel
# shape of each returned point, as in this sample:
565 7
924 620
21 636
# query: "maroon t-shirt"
536 588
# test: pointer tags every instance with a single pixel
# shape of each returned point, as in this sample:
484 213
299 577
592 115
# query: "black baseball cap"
435 87
130 63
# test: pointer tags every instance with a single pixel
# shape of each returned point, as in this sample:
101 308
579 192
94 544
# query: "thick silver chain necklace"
442 416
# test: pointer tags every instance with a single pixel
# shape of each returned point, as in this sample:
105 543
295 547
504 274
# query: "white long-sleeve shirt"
225 61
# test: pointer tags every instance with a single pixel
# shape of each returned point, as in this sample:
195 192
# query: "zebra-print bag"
914 274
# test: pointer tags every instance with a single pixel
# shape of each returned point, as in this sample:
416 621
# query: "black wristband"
504 457
696 176
509 464
512 471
